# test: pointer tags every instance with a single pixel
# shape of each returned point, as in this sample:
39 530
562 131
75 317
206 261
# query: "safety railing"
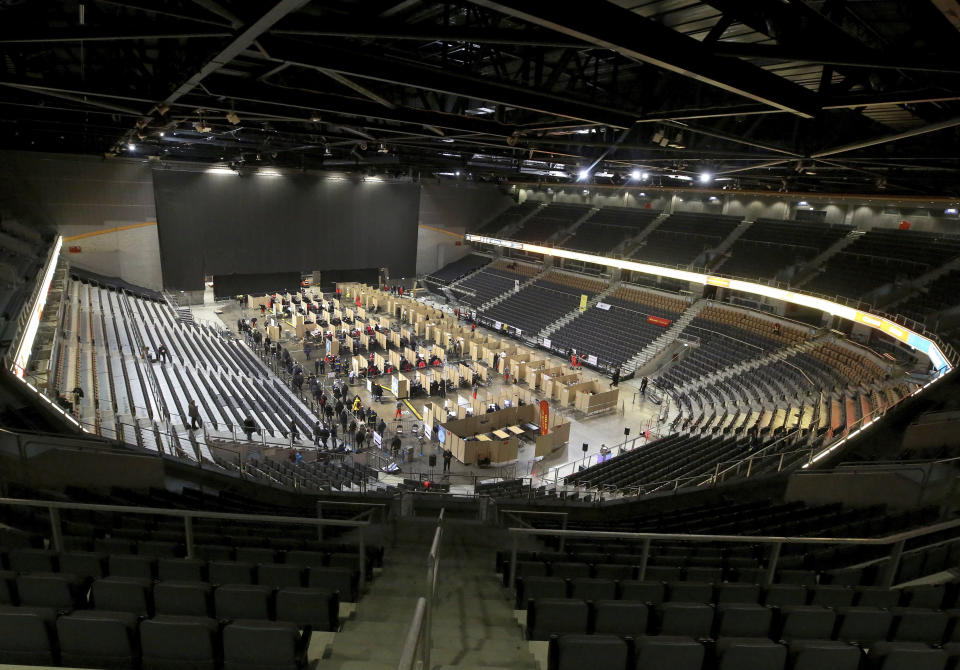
895 542
417 644
515 514
56 531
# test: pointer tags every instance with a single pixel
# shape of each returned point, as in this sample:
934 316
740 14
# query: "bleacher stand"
549 220
492 281
544 301
769 246
507 218
461 267
682 237
610 227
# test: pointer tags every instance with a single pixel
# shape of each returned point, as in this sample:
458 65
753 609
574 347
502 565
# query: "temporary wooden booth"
496 436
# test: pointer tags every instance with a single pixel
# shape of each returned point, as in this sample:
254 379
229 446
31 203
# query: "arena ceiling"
800 95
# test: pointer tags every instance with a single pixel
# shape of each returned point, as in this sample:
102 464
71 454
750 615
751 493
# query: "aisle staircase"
551 328
473 624
629 246
658 345
810 270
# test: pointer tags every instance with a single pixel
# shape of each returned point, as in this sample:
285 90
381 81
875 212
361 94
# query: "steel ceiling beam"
392 71
431 34
811 54
607 26
237 45
846 148
27 35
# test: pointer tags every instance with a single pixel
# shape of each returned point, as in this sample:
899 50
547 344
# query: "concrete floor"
633 412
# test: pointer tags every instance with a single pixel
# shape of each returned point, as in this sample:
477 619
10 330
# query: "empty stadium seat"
181 569
529 588
123 594
27 635
86 564
57 590
906 656
243 601
279 575
262 645
735 653
823 654
183 598
685 619
806 622
556 616
342 581
669 651
121 565
32 560
585 588
574 652
180 642
743 620
863 625
620 617
230 572
99 639
308 607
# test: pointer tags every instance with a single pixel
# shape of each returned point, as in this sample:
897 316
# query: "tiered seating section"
224 377
122 595
616 334
461 267
549 220
492 281
324 474
544 301
508 217
882 256
702 606
769 246
727 338
935 297
608 228
682 237
22 254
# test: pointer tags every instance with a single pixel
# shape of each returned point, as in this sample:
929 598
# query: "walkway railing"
895 542
416 646
56 532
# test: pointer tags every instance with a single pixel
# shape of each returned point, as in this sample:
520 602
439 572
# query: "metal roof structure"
859 96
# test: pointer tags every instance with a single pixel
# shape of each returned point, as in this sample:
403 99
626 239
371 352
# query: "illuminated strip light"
29 335
894 330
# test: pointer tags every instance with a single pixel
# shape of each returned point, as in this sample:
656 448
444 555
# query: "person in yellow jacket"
356 404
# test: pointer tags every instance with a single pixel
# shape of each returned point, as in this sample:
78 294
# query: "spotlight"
635 175
233 118
131 146
705 177
584 174
457 173
162 133
645 175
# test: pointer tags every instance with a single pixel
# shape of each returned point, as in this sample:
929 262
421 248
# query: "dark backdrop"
216 224
230 286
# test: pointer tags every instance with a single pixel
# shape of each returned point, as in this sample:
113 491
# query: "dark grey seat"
185 598
556 616
669 651
690 592
924 596
86 564
180 643
99 639
823 655
143 567
575 652
123 594
159 549
863 625
262 645
28 635
832 596
738 593
341 580
586 588
59 590
642 591
278 575
230 572
663 573
181 569
213 552
113 545
620 617
906 656
32 560
569 570
685 619
806 622
304 607
8 587
256 555
915 624
736 653
780 595
243 601
614 571
743 620
529 588
875 596
306 558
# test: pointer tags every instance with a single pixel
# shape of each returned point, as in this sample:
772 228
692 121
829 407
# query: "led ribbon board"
25 348
894 330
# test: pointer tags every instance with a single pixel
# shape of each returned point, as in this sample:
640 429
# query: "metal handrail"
896 541
414 640
54 507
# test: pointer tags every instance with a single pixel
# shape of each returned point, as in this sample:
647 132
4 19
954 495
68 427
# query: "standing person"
343 419
361 436
398 414
333 434
356 404
447 457
382 427
323 366
294 431
316 433
616 377
194 413
324 436
352 432
476 387
643 387
77 395
164 353
316 366
395 446
306 350
249 427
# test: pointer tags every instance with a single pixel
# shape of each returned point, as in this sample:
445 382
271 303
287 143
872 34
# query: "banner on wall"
583 302
658 321
603 305
544 417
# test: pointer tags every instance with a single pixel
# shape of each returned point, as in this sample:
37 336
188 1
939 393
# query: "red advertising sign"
544 417
658 321
904 225
73 250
